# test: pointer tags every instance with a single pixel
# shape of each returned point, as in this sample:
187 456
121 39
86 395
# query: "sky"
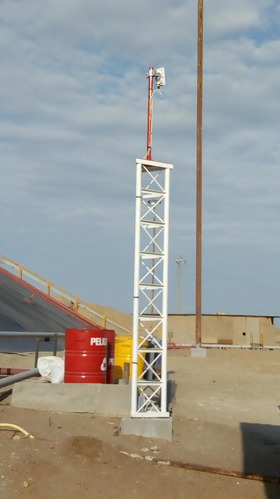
73 118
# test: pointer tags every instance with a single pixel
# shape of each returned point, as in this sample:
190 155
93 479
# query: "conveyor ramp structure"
31 303
26 309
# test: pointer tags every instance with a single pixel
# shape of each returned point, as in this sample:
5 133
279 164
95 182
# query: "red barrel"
111 357
85 355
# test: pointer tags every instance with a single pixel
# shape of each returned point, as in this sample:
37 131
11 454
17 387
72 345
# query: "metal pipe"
230 346
217 470
126 371
136 299
32 334
12 371
19 376
55 344
173 345
164 338
36 352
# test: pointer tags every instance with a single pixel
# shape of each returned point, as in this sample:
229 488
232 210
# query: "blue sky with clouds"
73 120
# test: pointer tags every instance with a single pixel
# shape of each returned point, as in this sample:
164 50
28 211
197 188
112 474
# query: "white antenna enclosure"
160 77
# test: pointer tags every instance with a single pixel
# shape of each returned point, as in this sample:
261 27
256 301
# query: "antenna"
159 75
150 292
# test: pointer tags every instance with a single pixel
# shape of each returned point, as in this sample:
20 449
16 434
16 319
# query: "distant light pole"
179 261
199 170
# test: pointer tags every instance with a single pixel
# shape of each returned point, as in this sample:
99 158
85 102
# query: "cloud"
73 121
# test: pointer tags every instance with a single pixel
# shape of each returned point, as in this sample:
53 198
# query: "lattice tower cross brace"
149 359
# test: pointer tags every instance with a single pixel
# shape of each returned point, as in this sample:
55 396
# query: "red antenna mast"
159 75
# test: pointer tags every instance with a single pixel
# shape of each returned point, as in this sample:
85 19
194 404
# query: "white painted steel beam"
149 360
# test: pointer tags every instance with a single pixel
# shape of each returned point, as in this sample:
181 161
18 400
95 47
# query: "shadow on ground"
261 452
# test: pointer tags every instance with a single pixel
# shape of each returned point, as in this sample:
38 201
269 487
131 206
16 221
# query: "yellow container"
123 354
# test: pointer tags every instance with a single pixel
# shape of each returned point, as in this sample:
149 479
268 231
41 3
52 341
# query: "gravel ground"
225 425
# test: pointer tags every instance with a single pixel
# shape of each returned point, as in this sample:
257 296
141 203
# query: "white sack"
52 368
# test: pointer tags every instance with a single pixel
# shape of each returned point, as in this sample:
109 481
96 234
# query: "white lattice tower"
149 366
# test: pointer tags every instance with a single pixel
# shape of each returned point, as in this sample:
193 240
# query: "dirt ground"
226 415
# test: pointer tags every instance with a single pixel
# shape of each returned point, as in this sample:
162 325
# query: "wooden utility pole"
199 170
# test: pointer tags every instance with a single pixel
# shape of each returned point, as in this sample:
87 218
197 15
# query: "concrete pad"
198 352
100 399
160 428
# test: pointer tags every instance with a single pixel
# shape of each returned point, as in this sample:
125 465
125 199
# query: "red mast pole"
150 112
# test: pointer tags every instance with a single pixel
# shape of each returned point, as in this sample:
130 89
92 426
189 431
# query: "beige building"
224 329
236 330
